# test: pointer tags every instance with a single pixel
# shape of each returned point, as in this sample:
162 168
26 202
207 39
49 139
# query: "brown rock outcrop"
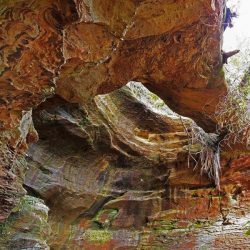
84 48
27 226
111 154
113 169
151 42
12 163
95 47
118 169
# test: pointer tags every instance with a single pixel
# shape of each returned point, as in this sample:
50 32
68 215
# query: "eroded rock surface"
111 159
85 48
117 173
114 169
79 49
26 227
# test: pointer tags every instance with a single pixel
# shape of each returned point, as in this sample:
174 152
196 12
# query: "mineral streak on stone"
113 168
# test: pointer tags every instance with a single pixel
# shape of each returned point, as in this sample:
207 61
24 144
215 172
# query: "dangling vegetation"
207 147
233 119
232 114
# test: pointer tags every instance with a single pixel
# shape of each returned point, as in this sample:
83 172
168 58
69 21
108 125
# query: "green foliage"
247 227
232 113
148 98
5 226
235 61
164 226
199 224
104 218
98 236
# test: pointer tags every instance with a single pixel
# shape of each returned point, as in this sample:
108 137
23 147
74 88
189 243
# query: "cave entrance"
130 133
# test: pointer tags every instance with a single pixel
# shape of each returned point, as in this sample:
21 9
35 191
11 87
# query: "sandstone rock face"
113 168
109 161
13 144
26 227
85 48
117 173
152 42
27 76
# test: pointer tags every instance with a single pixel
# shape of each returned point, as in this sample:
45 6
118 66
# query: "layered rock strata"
115 175
84 48
113 169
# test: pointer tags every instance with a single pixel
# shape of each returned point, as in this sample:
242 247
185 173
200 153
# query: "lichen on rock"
26 227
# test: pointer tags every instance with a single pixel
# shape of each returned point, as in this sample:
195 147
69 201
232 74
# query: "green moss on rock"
247 232
104 218
27 225
98 236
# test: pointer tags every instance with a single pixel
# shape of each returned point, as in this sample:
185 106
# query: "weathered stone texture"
26 227
117 169
113 169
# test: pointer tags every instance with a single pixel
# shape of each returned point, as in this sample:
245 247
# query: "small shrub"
232 114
